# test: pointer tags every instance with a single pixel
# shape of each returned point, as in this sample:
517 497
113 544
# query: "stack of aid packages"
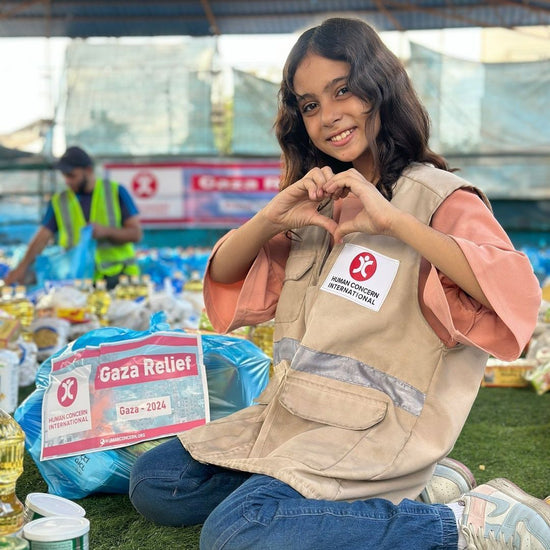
113 393
10 331
18 351
533 369
539 348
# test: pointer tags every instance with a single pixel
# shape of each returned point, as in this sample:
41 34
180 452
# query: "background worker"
105 205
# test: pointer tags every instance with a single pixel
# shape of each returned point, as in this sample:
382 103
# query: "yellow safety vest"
110 259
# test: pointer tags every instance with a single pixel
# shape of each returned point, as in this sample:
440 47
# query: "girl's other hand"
378 214
296 206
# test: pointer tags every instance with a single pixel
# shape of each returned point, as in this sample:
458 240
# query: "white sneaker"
450 480
500 515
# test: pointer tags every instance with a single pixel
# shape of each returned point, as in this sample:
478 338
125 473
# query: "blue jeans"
243 511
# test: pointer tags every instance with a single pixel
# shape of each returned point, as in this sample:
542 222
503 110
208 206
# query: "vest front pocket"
322 420
298 276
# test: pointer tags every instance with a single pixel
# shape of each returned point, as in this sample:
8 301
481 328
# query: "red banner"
216 194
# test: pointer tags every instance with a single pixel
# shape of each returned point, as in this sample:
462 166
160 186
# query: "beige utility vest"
365 398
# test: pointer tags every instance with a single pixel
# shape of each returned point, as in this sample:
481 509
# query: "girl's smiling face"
335 119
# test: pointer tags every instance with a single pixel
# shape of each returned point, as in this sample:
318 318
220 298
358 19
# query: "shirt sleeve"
504 274
128 207
252 300
49 221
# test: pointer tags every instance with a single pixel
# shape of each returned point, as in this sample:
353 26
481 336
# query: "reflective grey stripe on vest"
110 207
352 371
284 349
66 216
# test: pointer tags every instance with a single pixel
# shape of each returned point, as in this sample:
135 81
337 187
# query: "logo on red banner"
363 266
144 184
66 393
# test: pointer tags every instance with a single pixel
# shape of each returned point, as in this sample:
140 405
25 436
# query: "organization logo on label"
66 392
363 266
144 184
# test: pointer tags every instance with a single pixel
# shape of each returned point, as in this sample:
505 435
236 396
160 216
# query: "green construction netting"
145 100
483 107
490 119
140 99
254 111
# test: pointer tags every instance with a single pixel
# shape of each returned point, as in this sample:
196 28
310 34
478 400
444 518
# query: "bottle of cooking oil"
122 289
99 301
12 445
6 301
194 283
143 287
23 308
87 286
134 287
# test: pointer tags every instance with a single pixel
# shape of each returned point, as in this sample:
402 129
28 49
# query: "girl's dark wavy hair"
378 78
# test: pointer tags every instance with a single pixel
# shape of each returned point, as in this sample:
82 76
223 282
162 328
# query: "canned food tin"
58 533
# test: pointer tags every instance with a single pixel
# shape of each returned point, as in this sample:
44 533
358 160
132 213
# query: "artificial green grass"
506 435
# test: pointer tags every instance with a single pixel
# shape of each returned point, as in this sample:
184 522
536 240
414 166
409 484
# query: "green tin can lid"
45 505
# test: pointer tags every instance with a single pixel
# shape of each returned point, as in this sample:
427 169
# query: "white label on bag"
362 276
125 392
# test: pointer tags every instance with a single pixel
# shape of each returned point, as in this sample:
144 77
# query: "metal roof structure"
87 18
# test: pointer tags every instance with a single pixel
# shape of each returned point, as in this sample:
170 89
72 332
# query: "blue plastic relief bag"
58 264
237 371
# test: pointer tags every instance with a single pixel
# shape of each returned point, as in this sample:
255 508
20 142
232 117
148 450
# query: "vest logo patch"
363 266
362 276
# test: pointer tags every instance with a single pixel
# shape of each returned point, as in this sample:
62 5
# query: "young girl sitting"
390 282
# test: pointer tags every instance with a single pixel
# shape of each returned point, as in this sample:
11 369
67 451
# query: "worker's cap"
73 157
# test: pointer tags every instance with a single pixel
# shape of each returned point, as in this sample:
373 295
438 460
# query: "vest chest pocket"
324 421
298 275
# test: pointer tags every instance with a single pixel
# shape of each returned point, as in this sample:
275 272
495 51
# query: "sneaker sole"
512 490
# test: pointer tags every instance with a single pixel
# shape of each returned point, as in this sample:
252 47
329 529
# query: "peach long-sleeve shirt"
504 274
